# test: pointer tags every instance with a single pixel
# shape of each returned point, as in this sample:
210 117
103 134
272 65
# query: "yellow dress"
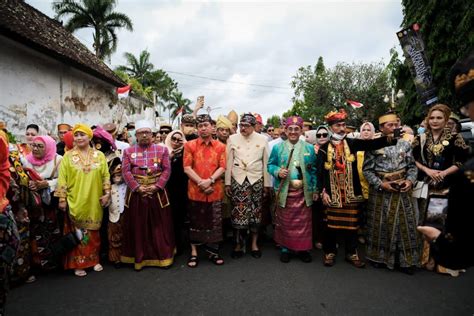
82 181
363 182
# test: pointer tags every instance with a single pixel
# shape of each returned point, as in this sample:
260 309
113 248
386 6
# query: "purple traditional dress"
148 237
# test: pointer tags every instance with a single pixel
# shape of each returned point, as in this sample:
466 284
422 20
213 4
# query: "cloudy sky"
251 44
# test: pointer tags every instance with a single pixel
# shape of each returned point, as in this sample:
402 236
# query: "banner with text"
414 51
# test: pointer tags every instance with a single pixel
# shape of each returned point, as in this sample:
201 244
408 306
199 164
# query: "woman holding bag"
83 189
44 228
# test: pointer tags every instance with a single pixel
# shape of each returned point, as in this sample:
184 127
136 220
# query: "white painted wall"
38 89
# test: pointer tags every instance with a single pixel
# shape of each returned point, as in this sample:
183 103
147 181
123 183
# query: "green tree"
447 31
176 103
138 68
274 120
319 90
96 14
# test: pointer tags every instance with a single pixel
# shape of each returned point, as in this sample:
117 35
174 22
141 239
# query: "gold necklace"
86 164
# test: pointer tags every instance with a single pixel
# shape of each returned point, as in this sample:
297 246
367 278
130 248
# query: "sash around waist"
147 179
392 176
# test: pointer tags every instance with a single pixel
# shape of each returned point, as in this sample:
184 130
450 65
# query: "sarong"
21 268
391 229
44 231
205 222
115 237
247 204
9 241
346 217
293 223
86 254
148 236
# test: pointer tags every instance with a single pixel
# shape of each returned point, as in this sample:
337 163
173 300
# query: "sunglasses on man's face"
270 130
322 135
164 132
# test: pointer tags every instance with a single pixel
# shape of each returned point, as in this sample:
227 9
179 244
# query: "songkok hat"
388 117
258 117
189 119
233 117
83 128
102 134
306 123
201 118
462 78
294 120
111 128
130 125
248 118
223 122
64 126
334 117
143 124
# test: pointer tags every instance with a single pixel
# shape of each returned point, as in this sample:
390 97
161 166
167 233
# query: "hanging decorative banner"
414 51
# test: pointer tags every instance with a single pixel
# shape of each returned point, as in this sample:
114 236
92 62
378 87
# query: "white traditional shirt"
247 157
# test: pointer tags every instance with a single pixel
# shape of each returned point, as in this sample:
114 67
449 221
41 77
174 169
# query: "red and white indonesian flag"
354 104
123 92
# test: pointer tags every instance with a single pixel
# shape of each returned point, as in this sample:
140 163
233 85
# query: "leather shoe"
355 261
329 259
257 254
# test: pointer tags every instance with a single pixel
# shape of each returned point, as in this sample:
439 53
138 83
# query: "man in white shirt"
246 181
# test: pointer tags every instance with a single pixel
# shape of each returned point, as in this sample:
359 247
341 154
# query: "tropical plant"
446 28
178 104
139 67
96 14
319 90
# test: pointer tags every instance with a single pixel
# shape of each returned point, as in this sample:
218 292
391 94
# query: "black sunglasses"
322 135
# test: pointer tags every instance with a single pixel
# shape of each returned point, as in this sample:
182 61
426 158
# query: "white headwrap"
143 124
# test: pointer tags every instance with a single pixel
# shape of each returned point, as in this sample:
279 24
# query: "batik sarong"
247 204
391 229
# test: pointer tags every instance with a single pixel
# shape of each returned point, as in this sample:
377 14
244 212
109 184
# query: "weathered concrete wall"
37 89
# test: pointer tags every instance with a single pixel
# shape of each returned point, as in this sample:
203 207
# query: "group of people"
145 199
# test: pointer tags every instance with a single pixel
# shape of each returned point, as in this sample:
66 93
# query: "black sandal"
216 259
193 259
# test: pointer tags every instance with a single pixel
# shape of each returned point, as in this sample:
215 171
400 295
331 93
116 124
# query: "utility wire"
228 81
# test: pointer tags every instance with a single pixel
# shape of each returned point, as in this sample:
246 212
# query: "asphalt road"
246 286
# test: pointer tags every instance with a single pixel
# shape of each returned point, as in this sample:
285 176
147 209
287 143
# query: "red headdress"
334 117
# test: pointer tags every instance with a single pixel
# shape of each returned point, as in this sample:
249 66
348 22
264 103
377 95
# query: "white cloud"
262 42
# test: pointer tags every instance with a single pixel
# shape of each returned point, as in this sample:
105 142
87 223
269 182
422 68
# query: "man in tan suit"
246 181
